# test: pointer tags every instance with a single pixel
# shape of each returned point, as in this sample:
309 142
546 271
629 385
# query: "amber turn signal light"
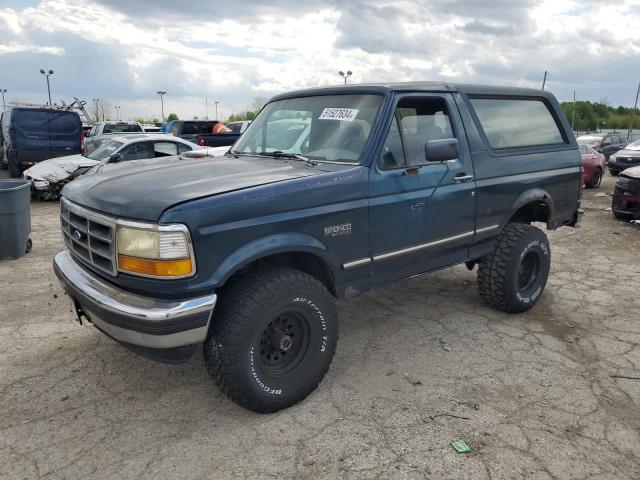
155 268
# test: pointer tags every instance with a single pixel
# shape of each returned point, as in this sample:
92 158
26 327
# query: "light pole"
117 112
633 113
97 103
217 102
3 91
345 75
47 74
162 94
573 112
544 80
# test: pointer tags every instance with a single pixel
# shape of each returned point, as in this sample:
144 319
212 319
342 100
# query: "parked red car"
593 165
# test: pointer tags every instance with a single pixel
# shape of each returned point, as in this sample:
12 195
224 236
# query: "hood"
60 168
633 172
628 152
144 193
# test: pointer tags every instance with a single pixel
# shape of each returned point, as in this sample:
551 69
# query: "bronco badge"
337 230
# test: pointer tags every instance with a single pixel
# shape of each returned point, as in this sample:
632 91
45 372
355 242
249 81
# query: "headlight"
162 251
613 159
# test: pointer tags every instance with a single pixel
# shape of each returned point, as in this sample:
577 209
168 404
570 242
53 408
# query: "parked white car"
102 131
49 176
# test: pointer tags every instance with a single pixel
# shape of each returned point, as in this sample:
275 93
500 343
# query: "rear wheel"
596 179
614 173
513 277
273 337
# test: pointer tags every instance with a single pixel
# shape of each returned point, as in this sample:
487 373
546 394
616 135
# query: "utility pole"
117 112
544 80
217 102
206 107
162 94
345 75
573 112
633 112
3 91
47 74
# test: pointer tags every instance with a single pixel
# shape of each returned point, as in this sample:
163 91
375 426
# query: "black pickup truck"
200 133
330 192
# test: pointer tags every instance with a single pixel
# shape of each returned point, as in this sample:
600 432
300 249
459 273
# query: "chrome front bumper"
134 319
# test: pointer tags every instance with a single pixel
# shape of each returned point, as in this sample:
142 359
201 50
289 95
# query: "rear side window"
191 128
512 123
64 123
33 121
121 128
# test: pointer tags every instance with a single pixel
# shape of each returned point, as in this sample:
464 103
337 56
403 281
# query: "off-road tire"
232 350
595 180
498 272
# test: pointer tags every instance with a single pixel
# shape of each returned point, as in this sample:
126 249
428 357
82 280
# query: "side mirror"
115 157
441 150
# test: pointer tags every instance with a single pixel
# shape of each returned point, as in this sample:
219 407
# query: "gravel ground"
419 364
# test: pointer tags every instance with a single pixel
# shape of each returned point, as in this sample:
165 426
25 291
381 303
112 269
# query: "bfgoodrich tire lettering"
273 337
513 277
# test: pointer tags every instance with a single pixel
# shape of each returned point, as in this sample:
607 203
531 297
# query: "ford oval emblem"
77 235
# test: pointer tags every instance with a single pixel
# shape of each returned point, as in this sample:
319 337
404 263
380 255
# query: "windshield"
121 128
633 145
588 140
104 150
329 127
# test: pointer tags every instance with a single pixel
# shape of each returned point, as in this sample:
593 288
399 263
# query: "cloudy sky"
234 51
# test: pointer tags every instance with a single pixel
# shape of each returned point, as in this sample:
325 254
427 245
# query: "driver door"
421 214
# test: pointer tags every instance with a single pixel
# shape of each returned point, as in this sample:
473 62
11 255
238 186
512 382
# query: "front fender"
270 245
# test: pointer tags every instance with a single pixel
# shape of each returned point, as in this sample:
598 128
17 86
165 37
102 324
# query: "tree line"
599 115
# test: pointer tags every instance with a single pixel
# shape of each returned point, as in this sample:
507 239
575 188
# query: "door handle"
463 178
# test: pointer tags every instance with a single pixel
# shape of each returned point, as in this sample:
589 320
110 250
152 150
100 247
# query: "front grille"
633 160
89 236
628 185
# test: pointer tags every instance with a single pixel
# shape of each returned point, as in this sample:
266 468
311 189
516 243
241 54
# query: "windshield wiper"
297 156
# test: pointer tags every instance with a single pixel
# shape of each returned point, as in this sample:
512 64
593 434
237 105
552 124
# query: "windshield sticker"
345 114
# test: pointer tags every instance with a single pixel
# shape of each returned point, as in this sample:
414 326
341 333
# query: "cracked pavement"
419 364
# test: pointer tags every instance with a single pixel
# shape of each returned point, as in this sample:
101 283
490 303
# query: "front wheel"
273 337
512 277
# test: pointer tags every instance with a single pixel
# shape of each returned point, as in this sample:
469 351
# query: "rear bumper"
137 321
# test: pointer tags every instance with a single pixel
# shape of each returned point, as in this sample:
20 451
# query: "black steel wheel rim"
528 271
284 343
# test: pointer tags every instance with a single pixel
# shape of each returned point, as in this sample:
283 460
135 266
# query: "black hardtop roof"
386 88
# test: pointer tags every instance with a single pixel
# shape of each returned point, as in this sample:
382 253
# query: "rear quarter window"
513 123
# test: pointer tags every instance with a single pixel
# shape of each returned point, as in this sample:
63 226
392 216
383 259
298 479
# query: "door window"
417 121
183 148
137 151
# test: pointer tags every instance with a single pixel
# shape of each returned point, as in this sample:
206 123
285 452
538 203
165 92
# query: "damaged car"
626 196
628 157
48 177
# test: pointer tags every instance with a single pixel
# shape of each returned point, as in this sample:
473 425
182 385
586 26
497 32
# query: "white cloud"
126 51
13 47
